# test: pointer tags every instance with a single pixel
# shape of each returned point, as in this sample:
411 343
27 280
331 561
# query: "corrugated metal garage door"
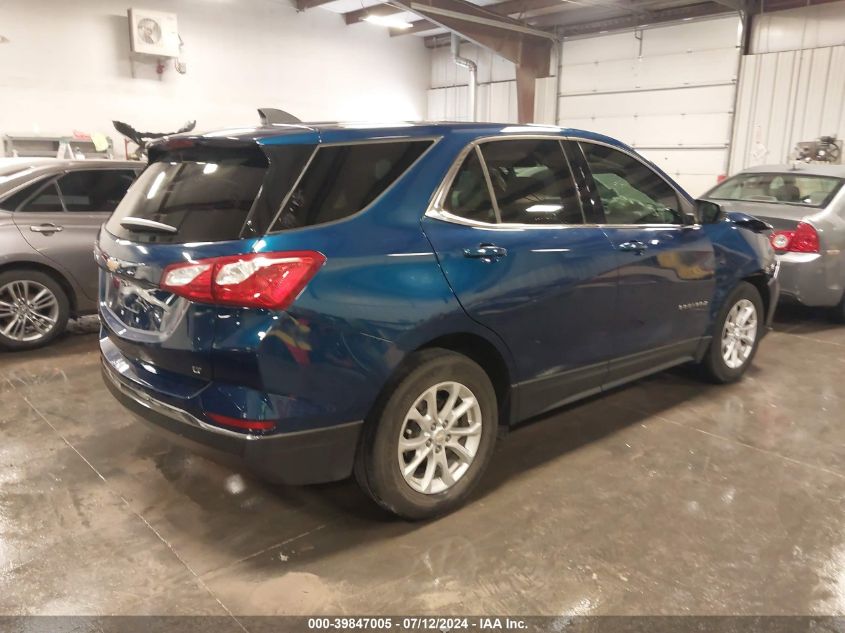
668 91
785 98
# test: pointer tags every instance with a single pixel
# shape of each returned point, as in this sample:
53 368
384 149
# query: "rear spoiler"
169 144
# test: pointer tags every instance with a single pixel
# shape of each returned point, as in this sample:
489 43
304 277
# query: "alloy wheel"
440 437
28 310
739 334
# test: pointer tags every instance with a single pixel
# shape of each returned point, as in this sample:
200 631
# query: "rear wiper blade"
142 224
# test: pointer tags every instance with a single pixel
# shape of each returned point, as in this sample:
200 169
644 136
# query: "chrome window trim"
382 139
436 211
434 141
490 191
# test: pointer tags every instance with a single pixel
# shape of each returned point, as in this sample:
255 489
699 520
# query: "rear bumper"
812 279
294 458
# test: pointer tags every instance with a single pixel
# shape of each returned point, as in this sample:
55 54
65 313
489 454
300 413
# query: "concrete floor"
665 497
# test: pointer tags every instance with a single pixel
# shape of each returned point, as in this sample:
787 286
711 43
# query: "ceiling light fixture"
389 21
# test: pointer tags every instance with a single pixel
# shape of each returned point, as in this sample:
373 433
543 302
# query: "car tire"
34 309
731 349
450 454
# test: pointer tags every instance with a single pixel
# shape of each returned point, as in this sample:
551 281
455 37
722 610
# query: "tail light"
254 280
804 239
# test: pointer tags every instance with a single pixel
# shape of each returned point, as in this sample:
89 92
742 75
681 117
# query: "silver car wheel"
739 334
28 310
439 438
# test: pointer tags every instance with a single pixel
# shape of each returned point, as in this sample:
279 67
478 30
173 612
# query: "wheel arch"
484 353
761 283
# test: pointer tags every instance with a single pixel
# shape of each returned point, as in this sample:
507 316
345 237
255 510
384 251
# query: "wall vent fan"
153 33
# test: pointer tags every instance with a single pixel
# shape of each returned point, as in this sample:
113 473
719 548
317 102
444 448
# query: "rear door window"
95 190
532 182
17 199
341 180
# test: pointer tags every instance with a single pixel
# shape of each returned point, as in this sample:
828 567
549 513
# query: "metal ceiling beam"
509 7
303 5
570 27
432 11
528 48
736 5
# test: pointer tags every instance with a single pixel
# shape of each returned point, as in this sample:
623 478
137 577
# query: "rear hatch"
199 198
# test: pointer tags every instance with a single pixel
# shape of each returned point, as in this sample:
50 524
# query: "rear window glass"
203 195
787 188
343 179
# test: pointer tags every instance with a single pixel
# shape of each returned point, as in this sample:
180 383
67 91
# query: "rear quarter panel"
380 295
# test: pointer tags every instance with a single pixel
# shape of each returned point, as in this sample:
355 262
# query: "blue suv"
322 300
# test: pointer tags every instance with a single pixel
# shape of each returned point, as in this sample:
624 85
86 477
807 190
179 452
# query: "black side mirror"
708 212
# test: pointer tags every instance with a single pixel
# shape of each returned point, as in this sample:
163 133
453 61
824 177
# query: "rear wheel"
33 309
426 447
737 334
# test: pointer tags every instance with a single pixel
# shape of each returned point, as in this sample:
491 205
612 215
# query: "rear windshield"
202 194
787 188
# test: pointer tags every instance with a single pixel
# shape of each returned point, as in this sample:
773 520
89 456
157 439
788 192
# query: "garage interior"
663 497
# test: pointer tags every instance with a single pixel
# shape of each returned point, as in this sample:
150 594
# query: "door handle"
633 247
46 228
488 252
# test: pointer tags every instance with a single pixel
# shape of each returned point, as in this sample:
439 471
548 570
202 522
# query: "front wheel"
736 335
425 449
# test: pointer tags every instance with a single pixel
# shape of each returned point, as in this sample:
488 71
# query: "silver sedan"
50 212
806 206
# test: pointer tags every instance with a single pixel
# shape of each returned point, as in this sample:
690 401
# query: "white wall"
67 67
669 91
793 89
